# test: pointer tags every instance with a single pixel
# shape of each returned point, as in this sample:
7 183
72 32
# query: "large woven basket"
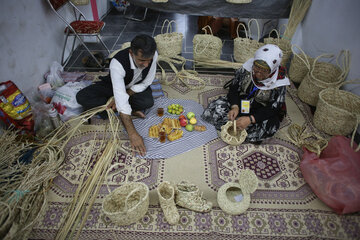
283 44
169 43
337 112
245 48
300 65
230 136
321 76
127 204
206 46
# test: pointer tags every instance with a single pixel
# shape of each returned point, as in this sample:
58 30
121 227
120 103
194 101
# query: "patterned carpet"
283 207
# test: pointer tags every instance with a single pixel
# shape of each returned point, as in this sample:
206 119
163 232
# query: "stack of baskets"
323 75
283 44
245 48
300 65
169 44
206 46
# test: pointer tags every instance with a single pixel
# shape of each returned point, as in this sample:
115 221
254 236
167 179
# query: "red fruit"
183 122
182 117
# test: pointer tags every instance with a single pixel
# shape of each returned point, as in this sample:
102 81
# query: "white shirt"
117 74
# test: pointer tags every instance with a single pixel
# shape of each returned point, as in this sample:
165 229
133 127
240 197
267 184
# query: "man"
132 71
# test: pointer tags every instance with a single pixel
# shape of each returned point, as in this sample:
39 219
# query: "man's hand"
243 122
112 105
130 92
233 112
137 144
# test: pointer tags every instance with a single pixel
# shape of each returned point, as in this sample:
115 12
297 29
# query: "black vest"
124 59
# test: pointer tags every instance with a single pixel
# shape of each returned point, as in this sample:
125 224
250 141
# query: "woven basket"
245 48
337 112
229 192
282 43
170 43
321 76
228 136
300 65
126 204
206 46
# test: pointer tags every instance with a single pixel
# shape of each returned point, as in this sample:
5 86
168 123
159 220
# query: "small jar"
54 117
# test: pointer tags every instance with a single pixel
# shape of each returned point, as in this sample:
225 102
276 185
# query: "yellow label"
245 106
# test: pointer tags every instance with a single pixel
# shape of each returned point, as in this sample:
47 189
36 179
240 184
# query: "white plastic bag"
65 102
54 78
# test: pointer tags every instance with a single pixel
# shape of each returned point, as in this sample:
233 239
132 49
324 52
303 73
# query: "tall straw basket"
321 76
300 65
127 204
245 48
169 43
206 46
337 112
283 44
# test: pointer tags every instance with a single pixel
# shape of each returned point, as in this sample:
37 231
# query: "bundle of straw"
297 13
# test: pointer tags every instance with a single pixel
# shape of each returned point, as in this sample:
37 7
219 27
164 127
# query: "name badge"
245 106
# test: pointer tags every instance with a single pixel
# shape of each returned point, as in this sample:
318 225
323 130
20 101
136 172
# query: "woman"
256 98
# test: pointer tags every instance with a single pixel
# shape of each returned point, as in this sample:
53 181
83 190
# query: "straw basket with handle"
126 204
245 48
300 65
337 111
206 46
169 43
323 75
283 44
231 135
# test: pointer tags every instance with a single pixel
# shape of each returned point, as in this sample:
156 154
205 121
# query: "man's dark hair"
145 43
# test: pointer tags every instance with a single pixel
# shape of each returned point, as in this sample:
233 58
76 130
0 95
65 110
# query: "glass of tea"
162 137
160 112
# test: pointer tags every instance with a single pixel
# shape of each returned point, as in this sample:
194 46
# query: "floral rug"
283 207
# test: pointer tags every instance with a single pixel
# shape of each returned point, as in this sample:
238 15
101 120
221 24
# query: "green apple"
189 127
190 115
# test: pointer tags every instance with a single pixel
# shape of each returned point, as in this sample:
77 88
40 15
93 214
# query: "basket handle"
306 61
353 136
355 81
130 194
162 28
258 28
326 55
237 30
277 33
107 172
169 25
207 26
345 63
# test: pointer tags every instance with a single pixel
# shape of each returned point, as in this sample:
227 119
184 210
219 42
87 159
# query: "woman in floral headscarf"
256 97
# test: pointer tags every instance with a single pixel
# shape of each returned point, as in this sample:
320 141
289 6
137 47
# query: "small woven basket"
321 76
206 46
300 65
245 48
127 204
170 43
282 43
232 136
337 112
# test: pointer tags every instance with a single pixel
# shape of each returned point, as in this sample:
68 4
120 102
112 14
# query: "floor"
120 29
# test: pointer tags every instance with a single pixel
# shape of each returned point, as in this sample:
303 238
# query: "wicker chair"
77 28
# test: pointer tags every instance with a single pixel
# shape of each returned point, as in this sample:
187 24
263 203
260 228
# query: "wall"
330 26
31 39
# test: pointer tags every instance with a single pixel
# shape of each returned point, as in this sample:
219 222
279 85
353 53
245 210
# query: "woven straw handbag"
169 43
206 46
283 44
234 198
245 48
300 65
127 204
231 135
321 76
337 112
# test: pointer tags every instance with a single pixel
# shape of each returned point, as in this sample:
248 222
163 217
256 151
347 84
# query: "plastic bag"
64 99
335 175
54 78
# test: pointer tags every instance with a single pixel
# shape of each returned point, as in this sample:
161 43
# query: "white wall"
31 39
330 26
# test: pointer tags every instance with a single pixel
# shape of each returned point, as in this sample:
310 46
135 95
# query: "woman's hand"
243 122
233 112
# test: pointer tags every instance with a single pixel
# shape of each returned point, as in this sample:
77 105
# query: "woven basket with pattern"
337 112
300 65
283 44
227 134
245 48
321 76
206 46
169 44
